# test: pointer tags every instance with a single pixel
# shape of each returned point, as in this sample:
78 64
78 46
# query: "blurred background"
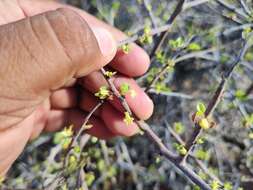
206 38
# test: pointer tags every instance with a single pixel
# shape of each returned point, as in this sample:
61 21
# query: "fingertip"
106 42
140 103
134 63
99 130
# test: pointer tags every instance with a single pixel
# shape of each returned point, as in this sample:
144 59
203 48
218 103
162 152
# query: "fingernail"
106 41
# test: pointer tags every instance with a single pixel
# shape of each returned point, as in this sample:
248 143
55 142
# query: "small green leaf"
179 128
228 186
202 154
176 44
89 178
194 46
125 48
240 95
124 89
215 185
146 38
201 108
200 141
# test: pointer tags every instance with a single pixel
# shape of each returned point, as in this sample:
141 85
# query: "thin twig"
172 157
164 69
80 131
249 90
172 94
245 7
215 99
232 8
170 21
150 13
199 162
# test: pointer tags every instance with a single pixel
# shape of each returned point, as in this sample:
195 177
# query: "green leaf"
202 154
125 48
240 95
201 108
228 186
124 89
115 5
194 46
89 178
176 44
179 128
215 185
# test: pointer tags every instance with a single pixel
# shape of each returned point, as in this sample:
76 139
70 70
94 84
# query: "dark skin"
50 71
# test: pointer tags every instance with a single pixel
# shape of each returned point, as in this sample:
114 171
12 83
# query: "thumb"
48 49
42 53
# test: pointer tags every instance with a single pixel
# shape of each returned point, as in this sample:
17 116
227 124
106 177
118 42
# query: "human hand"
43 58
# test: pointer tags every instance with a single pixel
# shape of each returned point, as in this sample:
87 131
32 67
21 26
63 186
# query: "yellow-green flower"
103 93
204 123
110 74
128 119
146 38
125 48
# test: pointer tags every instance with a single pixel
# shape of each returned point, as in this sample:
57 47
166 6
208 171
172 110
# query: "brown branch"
249 90
172 157
199 162
80 131
164 34
177 60
163 30
215 100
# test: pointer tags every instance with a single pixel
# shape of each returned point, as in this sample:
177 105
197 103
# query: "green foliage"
89 178
195 187
246 33
200 141
116 6
249 55
240 95
250 135
177 43
160 57
215 185
180 149
202 154
146 38
179 128
124 89
125 48
201 108
161 87
248 120
194 46
228 186
64 137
